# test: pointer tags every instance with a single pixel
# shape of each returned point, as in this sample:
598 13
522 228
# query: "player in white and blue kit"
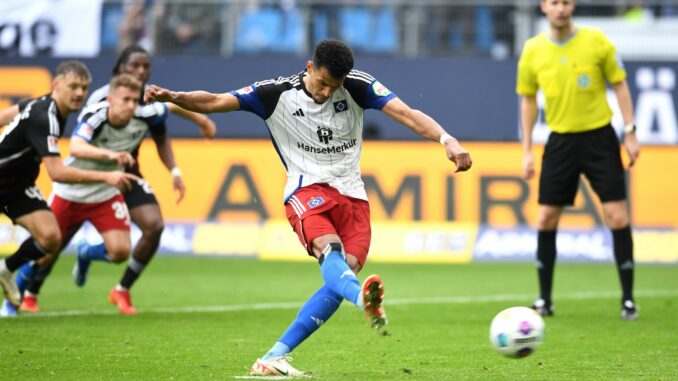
315 119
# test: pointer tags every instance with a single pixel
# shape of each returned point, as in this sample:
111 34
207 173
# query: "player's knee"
118 253
153 229
49 240
617 220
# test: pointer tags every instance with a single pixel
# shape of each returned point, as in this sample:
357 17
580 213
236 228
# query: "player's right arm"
58 172
196 101
528 117
527 87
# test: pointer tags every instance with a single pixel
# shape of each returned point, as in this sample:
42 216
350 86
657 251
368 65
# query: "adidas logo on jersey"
299 112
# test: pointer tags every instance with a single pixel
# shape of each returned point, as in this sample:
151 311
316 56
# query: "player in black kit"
30 139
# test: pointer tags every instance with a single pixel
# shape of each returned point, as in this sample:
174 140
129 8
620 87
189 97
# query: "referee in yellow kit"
572 65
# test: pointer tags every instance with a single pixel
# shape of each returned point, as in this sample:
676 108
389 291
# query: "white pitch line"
468 299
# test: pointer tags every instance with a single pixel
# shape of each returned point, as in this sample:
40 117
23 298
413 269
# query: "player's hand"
208 129
121 180
123 158
179 187
632 147
157 94
528 165
458 155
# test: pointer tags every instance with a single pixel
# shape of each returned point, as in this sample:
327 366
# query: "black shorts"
140 194
593 153
21 202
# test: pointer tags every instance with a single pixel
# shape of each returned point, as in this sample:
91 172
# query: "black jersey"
32 135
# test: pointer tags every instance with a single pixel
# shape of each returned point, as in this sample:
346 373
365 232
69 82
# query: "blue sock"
24 276
97 252
338 276
316 311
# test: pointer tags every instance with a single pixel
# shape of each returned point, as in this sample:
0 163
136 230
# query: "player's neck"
114 120
62 109
562 33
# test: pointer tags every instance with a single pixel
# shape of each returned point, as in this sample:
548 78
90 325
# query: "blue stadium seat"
484 28
269 29
367 31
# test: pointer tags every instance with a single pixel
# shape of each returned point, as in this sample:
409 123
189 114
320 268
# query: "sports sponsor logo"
583 81
315 201
340 106
85 131
327 150
380 89
324 134
52 144
245 90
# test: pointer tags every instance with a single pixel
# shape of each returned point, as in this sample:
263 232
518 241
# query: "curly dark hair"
335 56
125 55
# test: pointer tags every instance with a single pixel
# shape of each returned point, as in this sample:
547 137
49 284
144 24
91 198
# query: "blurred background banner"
474 98
64 28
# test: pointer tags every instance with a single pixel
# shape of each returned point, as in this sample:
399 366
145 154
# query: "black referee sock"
132 272
623 255
29 250
546 259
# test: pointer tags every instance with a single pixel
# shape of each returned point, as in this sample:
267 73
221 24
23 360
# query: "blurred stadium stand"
466 28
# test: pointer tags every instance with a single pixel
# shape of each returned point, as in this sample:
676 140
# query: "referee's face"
558 12
320 83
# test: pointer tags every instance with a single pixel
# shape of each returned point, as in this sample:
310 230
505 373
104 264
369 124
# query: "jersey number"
34 192
121 212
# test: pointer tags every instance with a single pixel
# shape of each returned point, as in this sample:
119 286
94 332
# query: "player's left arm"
631 144
163 145
208 128
428 128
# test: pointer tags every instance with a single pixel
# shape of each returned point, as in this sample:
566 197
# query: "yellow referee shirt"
572 75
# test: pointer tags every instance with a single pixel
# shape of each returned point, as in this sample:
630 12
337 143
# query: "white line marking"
468 299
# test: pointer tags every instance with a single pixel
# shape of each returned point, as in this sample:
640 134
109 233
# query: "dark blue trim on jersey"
251 102
162 118
374 101
277 150
301 179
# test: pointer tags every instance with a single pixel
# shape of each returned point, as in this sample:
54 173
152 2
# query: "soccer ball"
517 331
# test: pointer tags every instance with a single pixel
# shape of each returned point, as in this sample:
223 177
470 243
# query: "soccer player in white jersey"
316 120
106 135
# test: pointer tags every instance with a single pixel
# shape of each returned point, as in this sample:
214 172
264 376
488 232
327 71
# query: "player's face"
558 12
123 101
138 65
321 84
70 91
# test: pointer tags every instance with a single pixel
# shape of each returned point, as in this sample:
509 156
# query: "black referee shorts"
23 201
593 153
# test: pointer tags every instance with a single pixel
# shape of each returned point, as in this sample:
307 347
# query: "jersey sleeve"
613 67
367 92
526 81
155 115
43 133
89 125
261 98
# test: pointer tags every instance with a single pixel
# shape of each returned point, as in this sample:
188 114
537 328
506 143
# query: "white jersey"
317 143
94 127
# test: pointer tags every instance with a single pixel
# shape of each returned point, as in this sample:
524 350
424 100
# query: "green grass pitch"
210 318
